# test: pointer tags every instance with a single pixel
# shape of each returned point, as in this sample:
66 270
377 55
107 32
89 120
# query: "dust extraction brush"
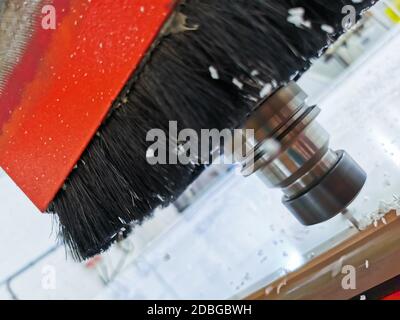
83 82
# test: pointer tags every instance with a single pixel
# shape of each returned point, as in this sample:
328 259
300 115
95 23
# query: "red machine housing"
64 85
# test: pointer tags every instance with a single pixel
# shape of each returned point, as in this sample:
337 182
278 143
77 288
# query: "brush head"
206 71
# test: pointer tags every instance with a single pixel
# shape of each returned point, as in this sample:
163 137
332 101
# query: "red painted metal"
394 296
64 85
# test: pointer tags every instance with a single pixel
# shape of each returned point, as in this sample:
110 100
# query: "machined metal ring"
304 167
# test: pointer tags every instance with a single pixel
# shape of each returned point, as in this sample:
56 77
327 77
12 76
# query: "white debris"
269 290
280 286
299 11
255 73
296 17
379 215
150 153
366 264
238 83
266 90
214 73
327 28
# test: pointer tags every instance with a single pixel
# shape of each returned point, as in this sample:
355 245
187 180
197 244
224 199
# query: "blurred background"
228 236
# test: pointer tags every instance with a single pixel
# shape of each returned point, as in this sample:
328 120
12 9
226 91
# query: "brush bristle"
250 43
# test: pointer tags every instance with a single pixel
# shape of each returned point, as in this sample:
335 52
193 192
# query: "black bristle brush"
247 44
251 41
